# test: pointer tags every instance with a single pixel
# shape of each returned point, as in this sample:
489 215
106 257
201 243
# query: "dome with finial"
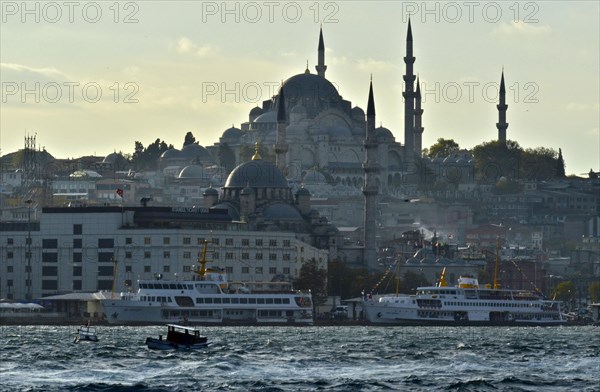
256 111
383 133
195 151
232 133
256 173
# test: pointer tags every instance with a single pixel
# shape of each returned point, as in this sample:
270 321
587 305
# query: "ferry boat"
210 299
468 303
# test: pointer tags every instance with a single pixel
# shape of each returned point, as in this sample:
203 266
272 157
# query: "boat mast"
496 285
398 277
202 261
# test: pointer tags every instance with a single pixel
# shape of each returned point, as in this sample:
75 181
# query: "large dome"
312 91
232 133
192 171
282 212
258 174
193 151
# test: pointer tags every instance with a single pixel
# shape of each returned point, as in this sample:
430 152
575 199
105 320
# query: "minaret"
418 128
370 188
321 67
281 146
502 106
409 99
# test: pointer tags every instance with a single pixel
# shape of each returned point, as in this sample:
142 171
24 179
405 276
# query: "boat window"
286 300
226 300
169 298
165 286
260 300
208 300
251 300
179 287
217 300
235 300
243 300
278 300
199 300
172 286
269 300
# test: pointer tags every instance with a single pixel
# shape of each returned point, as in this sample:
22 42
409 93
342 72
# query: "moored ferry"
210 299
467 303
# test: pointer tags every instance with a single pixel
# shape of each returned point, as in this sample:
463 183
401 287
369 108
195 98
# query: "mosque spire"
370 188
321 67
418 146
502 106
409 97
281 146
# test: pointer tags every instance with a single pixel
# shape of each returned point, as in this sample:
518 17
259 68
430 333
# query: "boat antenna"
398 277
496 285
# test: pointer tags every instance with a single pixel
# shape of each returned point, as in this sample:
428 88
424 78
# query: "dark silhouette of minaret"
370 188
409 98
321 67
281 146
502 106
418 122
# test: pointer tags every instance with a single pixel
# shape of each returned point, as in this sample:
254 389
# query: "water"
35 358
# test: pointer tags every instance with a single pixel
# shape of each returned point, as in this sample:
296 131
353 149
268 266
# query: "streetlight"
28 255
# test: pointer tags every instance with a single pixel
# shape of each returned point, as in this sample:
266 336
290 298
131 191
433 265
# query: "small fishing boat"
86 334
179 337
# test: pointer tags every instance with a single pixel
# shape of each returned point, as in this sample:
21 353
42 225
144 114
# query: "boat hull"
160 344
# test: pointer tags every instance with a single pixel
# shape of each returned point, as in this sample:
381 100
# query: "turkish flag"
120 192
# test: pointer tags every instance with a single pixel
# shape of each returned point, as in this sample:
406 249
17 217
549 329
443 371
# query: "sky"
92 78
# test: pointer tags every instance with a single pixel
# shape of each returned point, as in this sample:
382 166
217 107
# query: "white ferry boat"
210 299
468 303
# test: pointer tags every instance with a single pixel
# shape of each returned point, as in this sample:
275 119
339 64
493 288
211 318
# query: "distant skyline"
91 78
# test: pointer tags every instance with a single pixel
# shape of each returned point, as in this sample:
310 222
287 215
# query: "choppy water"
354 358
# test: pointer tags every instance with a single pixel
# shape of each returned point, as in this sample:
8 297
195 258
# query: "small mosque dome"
268 117
256 111
192 171
258 174
171 153
210 192
358 114
384 133
232 133
193 151
281 212
313 176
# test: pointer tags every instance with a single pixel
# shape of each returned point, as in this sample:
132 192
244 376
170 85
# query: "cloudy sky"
94 77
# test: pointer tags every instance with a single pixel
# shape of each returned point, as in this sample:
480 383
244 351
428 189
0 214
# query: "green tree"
594 291
560 166
189 139
538 164
442 148
411 280
564 291
495 159
313 278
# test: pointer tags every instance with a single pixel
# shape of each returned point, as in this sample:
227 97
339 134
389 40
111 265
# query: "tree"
226 157
411 280
594 290
538 164
189 139
314 279
442 148
564 291
496 159
560 166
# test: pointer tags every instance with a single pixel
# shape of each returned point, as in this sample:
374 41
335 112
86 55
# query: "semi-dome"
192 171
232 133
114 159
383 133
268 117
171 153
281 212
257 174
314 177
339 131
195 151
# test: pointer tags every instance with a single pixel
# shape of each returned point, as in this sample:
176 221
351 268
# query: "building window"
286 270
127 268
187 268
166 240
128 241
50 243
286 256
50 257
49 284
147 255
77 285
77 229
228 255
147 241
229 270
258 256
286 243
245 256
166 254
215 241
187 255
77 271
259 242
147 268
216 256
272 270
200 241
127 254
9 268
104 243
272 242
77 243
9 255
272 256
77 257
258 270
245 242
229 241
245 270
187 240
9 241
106 257
166 268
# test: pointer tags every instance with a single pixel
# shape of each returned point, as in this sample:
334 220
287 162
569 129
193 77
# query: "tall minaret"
502 106
281 146
321 67
409 98
418 128
370 188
